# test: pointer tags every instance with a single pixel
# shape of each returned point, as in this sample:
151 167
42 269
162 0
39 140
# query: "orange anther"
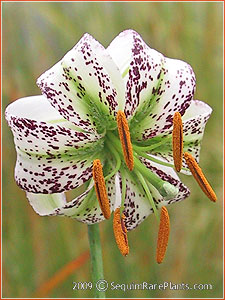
199 176
163 235
100 188
124 135
177 141
120 232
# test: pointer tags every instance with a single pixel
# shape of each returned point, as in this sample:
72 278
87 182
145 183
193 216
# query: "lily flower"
115 121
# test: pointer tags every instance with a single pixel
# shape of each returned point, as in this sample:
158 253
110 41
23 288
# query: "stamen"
163 235
124 134
177 141
100 188
199 176
120 232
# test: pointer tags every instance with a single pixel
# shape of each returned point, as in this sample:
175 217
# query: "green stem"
96 258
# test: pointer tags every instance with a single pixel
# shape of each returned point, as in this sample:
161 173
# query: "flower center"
118 144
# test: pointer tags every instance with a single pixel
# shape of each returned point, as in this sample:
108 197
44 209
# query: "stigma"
125 140
100 188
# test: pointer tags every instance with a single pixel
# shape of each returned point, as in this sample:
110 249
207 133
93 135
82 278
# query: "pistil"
177 141
100 188
163 235
120 232
199 176
125 140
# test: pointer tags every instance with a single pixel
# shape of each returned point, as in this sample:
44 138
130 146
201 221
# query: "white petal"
137 205
169 175
142 66
194 121
44 204
175 93
85 86
51 174
156 86
90 213
83 208
38 128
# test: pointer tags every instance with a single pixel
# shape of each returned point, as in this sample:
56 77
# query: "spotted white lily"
87 95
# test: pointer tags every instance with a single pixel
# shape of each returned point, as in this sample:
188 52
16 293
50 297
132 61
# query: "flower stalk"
96 258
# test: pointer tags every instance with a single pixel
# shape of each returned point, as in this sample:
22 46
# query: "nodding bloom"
115 122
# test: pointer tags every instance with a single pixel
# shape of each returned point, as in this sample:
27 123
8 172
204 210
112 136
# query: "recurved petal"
45 205
38 128
137 205
84 208
169 175
141 68
88 210
85 86
194 122
174 94
49 174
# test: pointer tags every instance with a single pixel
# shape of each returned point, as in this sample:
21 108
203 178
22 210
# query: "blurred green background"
36 36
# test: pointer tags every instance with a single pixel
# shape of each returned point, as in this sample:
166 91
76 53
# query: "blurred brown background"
36 36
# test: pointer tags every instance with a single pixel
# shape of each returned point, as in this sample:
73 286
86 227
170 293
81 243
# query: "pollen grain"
163 235
177 141
100 188
120 232
125 140
199 176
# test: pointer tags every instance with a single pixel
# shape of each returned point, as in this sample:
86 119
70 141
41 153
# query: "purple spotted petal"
169 175
45 205
90 213
175 93
194 121
137 205
156 86
84 208
140 66
51 174
85 77
39 129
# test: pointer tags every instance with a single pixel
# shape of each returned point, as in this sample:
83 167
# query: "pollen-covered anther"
125 140
163 235
120 232
100 188
199 176
177 141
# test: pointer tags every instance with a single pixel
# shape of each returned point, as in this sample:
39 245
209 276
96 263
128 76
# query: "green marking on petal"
148 194
145 109
125 72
